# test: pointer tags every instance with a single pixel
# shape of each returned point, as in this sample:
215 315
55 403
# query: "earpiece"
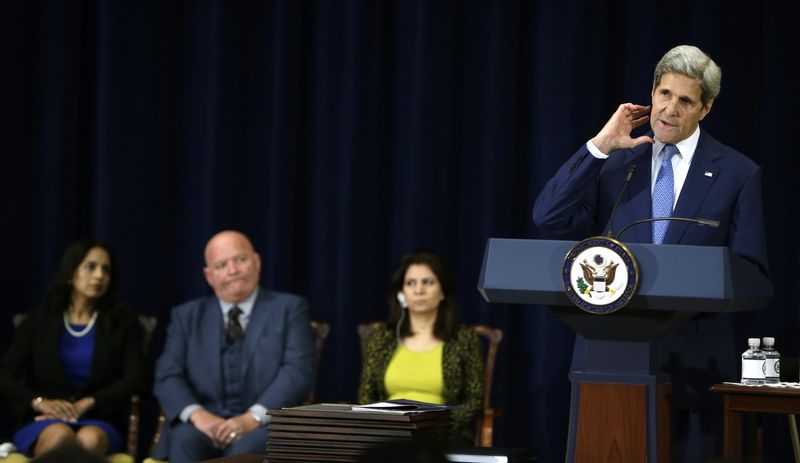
401 299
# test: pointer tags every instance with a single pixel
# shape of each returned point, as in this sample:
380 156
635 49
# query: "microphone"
628 176
703 222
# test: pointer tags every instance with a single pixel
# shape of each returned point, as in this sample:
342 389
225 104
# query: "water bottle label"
772 368
753 369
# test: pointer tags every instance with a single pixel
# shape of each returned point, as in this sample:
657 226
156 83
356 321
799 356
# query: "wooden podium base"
614 424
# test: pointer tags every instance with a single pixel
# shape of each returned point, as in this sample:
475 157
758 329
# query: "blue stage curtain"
341 134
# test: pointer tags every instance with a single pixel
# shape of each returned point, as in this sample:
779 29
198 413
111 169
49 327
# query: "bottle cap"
753 342
769 341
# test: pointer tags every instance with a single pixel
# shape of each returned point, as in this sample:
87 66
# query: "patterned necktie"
233 329
664 194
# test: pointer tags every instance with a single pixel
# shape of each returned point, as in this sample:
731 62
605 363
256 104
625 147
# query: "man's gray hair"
692 62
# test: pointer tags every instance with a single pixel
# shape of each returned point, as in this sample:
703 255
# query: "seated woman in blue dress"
424 353
74 364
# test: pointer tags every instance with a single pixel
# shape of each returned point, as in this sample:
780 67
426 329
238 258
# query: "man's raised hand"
616 134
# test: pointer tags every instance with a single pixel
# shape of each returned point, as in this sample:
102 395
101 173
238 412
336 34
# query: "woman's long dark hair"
447 317
59 294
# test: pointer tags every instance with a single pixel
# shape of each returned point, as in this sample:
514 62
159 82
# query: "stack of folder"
339 433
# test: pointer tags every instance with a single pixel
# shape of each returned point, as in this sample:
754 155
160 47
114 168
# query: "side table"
740 399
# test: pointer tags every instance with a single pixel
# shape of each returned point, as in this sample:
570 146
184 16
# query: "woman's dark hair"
447 317
59 294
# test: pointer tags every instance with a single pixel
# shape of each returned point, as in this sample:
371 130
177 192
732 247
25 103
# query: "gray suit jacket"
278 355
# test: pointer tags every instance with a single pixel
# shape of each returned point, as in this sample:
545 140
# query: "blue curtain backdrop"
341 134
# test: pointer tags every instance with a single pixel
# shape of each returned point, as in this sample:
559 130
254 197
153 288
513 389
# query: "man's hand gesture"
616 134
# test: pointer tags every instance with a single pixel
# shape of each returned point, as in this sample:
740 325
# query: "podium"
619 398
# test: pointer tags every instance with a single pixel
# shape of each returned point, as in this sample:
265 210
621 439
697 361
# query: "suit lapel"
701 176
211 326
259 319
639 196
102 347
51 348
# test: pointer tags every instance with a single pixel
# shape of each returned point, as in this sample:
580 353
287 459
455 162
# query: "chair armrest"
133 425
162 421
484 433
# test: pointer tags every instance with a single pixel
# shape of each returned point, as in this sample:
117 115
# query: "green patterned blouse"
462 371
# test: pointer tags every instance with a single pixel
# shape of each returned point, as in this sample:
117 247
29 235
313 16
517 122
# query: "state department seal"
600 275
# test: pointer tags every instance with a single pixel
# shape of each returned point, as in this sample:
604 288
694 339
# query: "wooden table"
740 399
244 458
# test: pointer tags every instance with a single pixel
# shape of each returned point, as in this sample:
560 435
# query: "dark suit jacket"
278 355
722 184
32 367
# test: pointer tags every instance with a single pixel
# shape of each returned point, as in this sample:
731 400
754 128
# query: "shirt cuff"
259 413
187 412
595 152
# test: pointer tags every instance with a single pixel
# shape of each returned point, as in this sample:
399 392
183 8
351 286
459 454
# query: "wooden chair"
149 325
320 330
484 434
365 331
484 426
134 416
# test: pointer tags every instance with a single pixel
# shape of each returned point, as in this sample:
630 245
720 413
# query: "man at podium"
675 170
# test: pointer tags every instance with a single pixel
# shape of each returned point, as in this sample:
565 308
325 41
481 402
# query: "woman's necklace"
84 331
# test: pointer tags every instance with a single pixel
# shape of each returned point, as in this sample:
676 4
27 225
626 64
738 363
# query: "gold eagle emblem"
607 272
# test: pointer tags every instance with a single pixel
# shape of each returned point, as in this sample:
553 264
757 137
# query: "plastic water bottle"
772 372
753 363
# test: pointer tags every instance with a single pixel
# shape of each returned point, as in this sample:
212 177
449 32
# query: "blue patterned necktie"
664 194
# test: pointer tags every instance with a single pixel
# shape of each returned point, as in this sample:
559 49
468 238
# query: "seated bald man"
230 358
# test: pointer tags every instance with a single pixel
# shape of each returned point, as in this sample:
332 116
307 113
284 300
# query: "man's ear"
706 109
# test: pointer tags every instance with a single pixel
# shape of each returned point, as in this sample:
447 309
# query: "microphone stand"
628 176
703 222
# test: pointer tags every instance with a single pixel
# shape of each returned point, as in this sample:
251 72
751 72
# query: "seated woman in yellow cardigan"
424 353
